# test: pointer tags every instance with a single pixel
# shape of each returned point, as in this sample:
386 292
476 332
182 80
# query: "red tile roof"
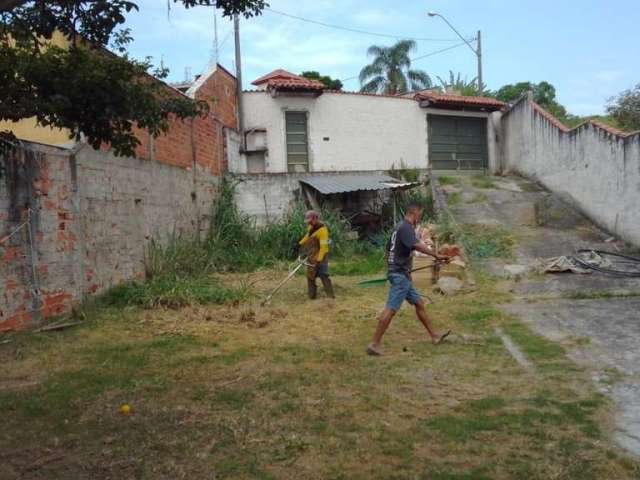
283 80
444 100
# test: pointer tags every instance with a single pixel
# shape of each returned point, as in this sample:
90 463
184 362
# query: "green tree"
332 84
390 72
625 109
544 94
87 88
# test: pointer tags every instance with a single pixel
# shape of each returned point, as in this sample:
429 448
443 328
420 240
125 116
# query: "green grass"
172 291
527 417
482 181
448 180
478 319
454 198
359 265
479 241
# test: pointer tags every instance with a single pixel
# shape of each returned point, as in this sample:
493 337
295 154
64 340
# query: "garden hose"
619 259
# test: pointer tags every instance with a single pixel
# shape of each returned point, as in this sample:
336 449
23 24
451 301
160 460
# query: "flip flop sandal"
443 337
373 352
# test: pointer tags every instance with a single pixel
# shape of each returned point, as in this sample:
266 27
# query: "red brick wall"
95 213
202 136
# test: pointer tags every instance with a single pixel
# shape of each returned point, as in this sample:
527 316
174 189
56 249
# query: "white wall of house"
346 132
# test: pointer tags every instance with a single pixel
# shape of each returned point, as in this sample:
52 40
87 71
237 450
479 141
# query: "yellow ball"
125 409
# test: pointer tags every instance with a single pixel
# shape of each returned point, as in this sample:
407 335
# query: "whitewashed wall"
365 132
598 170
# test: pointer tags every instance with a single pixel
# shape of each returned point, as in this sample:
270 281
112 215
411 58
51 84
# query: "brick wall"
93 214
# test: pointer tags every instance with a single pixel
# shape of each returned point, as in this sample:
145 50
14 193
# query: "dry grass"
286 392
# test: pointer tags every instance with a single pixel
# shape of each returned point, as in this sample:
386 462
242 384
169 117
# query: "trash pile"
586 261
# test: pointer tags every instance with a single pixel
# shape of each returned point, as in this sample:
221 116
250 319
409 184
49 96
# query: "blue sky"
588 49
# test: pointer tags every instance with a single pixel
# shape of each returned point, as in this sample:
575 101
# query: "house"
295 129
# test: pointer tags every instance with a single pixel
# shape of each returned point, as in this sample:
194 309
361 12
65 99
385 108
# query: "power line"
226 37
355 30
417 58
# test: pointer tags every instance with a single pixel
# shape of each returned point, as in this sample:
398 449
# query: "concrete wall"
346 132
91 215
268 197
595 166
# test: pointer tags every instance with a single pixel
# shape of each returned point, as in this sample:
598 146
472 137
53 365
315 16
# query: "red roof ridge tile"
278 73
445 98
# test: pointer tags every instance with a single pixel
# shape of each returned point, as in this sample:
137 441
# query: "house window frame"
286 141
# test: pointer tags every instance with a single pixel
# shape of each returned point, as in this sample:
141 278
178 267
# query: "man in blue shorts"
400 259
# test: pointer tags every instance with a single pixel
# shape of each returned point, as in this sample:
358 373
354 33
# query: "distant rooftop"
282 80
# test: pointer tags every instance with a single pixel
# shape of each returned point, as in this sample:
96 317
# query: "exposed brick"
123 202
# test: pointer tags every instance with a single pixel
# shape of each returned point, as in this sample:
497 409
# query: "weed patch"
448 180
479 241
454 198
482 181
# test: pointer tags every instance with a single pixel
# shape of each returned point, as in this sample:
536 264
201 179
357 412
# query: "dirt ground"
287 392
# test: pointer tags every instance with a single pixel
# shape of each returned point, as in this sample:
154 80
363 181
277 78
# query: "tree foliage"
544 94
332 84
85 87
625 109
390 72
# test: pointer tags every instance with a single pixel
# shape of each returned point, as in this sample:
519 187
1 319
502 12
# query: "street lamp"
476 51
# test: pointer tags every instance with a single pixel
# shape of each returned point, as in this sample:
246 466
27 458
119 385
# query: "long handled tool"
378 281
301 262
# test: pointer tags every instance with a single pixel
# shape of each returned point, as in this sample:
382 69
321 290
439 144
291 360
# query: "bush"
479 241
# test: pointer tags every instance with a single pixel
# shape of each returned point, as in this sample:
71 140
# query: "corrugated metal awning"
328 184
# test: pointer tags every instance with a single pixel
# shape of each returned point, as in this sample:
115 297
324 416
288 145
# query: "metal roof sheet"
326 184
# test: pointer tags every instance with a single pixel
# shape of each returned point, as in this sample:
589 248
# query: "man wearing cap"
316 244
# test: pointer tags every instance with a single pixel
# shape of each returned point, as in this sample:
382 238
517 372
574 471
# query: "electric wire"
356 30
417 58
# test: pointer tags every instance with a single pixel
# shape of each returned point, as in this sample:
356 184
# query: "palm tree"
460 86
390 72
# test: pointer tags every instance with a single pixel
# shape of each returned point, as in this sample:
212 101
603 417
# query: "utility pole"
236 30
479 54
216 53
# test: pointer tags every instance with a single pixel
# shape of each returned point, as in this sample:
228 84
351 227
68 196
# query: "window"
297 151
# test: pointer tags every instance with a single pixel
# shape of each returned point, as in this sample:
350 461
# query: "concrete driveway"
596 317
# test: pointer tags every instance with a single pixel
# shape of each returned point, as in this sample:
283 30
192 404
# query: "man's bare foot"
374 350
437 340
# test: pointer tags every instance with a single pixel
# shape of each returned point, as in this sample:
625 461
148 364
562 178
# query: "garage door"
457 143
